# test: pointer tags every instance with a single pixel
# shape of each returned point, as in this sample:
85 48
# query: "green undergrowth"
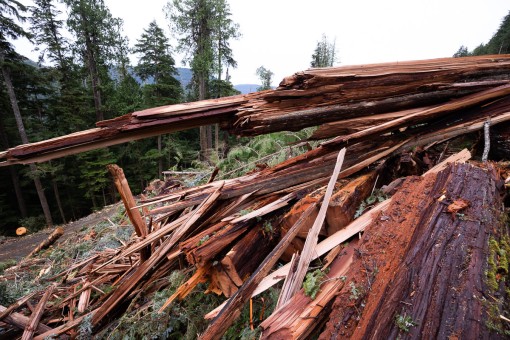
377 196
6 264
34 276
270 149
185 319
313 281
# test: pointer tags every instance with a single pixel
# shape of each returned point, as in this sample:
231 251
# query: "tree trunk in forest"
160 159
217 138
14 175
205 131
24 139
59 202
17 190
209 139
92 67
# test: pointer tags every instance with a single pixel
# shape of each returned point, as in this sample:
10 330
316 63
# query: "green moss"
497 273
491 264
203 240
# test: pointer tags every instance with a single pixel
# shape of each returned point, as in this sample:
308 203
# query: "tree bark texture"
428 266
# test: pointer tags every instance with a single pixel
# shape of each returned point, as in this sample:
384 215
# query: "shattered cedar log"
433 265
292 286
301 316
308 98
340 236
234 305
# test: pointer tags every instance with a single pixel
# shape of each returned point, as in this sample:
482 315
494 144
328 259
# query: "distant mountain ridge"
246 88
184 76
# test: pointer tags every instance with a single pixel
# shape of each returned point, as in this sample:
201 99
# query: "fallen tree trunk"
308 98
21 321
54 236
424 273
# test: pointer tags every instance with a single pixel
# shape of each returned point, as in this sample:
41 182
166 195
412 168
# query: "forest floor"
15 248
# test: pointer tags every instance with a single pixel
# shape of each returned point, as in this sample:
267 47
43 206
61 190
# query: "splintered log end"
345 202
21 231
115 170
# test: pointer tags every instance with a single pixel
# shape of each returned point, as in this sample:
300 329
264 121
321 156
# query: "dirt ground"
18 247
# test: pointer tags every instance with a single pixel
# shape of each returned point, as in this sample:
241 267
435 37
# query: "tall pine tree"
97 39
157 64
204 29
324 54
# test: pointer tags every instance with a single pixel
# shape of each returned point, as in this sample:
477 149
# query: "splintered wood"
353 101
237 236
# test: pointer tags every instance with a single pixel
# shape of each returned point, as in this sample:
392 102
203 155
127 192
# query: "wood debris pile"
432 259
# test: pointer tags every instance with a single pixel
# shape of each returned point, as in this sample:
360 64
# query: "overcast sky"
282 34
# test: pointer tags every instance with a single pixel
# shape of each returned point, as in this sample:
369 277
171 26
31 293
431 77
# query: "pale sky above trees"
282 34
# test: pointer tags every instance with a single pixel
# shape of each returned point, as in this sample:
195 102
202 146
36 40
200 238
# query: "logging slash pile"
395 226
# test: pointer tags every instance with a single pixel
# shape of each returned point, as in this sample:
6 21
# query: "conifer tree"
157 64
204 29
96 33
324 54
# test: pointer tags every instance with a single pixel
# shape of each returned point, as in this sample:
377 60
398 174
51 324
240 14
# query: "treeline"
87 78
498 44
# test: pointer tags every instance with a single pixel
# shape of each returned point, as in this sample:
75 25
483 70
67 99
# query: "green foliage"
203 240
204 28
6 296
265 76
498 44
46 27
7 264
241 327
269 149
182 320
94 175
11 14
377 196
157 63
312 283
268 227
355 291
325 54
461 52
404 322
33 223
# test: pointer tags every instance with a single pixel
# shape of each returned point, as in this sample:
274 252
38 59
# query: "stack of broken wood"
432 258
